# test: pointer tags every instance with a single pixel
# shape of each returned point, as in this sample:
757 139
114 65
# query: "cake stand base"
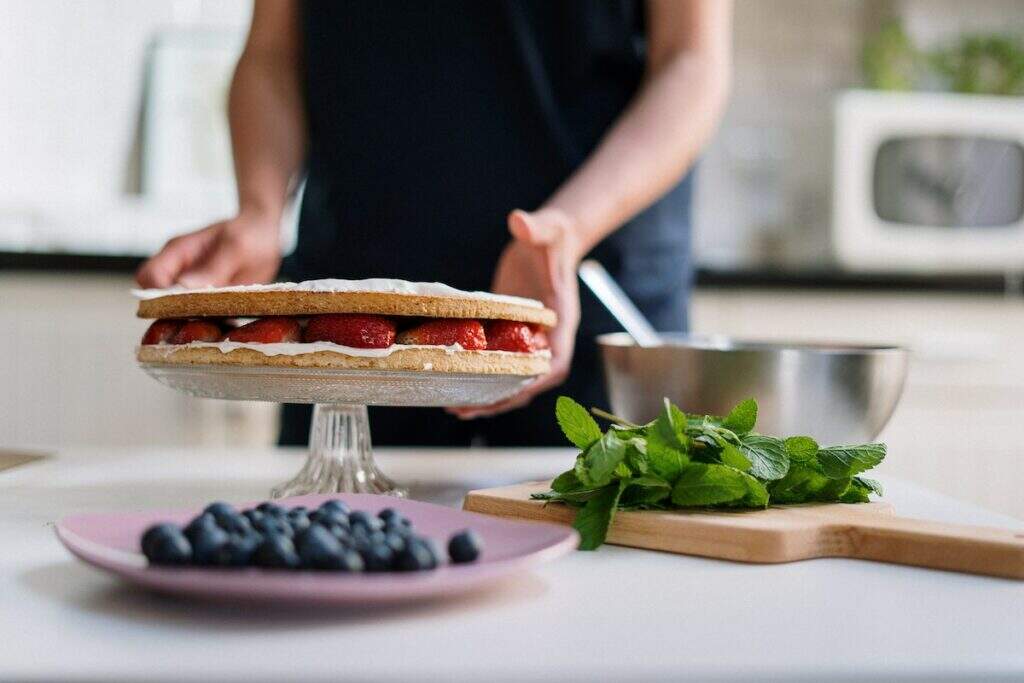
340 456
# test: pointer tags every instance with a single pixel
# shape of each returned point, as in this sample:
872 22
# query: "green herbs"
686 461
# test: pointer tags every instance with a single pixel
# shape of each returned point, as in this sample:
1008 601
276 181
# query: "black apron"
428 122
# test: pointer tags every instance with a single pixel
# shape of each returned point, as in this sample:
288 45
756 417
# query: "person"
487 145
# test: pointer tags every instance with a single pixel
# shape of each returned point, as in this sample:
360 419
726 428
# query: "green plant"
684 461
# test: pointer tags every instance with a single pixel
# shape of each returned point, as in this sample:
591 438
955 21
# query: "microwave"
928 183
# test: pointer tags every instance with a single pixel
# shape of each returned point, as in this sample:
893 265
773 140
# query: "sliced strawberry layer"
348 329
275 330
161 331
361 331
197 331
469 334
508 335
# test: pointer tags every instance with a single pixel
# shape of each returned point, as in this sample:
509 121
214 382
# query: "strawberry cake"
376 324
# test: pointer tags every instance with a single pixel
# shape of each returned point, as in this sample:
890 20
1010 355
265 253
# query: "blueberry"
154 533
238 551
417 556
338 531
165 544
396 542
253 516
322 516
299 509
269 524
402 527
235 524
203 521
220 509
378 558
464 546
364 519
319 549
207 543
350 561
391 516
335 506
269 508
170 549
299 520
276 552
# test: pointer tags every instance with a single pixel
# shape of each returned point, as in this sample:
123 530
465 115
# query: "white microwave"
928 182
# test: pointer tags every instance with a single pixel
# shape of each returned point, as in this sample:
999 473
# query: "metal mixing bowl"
837 393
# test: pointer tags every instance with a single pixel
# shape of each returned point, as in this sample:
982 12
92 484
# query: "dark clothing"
428 122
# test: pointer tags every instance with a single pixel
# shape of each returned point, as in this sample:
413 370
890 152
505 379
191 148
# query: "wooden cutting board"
867 531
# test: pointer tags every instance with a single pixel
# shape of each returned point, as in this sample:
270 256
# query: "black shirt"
429 121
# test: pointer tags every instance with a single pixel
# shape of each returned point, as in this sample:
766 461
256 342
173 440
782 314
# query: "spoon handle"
608 292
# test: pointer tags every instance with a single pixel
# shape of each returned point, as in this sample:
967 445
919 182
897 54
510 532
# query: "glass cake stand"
340 454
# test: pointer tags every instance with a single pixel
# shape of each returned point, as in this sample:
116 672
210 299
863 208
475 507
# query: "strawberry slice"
469 334
509 335
197 331
272 330
351 329
161 331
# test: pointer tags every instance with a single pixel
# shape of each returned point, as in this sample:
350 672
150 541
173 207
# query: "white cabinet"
69 377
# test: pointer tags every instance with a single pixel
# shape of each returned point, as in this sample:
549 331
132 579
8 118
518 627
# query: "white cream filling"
377 284
301 348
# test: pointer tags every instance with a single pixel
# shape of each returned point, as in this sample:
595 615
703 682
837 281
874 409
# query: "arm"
650 147
661 133
268 140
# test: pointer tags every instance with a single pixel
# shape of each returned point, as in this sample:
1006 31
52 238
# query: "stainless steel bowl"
837 393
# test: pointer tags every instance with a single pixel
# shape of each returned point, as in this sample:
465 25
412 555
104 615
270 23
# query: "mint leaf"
566 481
768 457
870 484
593 520
841 462
757 494
732 457
742 418
645 491
702 484
667 443
576 423
801 448
597 466
806 483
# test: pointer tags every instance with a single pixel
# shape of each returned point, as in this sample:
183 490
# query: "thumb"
536 228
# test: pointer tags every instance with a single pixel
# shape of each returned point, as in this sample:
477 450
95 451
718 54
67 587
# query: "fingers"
163 269
216 267
533 228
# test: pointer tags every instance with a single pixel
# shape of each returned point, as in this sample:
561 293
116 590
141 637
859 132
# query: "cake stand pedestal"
340 456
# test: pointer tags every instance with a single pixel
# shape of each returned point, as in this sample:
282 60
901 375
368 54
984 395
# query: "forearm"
650 147
268 134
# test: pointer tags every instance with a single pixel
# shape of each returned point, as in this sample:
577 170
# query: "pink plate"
111 542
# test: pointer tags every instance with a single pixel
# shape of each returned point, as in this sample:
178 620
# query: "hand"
243 250
540 263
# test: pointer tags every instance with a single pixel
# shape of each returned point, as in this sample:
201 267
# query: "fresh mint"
697 461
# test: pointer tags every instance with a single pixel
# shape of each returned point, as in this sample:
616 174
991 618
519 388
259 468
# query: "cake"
375 324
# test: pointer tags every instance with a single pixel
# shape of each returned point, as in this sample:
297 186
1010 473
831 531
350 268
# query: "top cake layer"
378 295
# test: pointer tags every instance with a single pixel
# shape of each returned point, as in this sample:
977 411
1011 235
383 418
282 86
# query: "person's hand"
243 250
540 263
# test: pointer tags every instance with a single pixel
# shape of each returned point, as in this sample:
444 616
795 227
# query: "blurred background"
867 184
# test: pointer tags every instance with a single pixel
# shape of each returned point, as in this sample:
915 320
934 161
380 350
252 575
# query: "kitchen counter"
614 614
786 278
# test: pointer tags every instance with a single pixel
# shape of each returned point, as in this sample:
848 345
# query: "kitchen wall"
72 74
765 186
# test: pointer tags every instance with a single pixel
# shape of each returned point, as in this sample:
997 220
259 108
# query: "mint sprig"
687 461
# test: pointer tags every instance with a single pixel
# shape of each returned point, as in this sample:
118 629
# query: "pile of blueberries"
331 538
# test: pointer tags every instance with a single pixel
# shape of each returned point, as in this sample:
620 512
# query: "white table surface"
614 614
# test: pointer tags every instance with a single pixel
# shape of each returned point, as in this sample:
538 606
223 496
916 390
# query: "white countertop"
614 614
